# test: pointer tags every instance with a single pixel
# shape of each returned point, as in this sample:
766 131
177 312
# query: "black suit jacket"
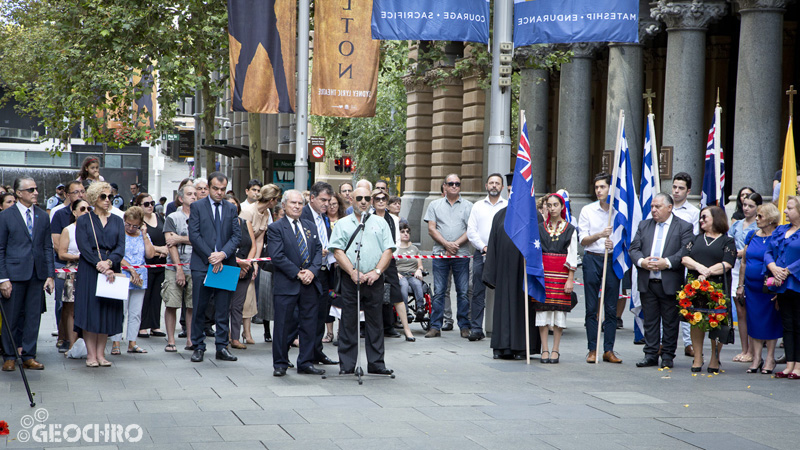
308 215
282 246
203 235
23 257
679 234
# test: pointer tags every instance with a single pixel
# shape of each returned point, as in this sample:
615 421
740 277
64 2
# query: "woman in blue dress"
763 319
739 230
98 317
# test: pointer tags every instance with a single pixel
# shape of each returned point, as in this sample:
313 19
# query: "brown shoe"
465 333
32 364
238 345
591 358
611 357
688 351
9 365
433 332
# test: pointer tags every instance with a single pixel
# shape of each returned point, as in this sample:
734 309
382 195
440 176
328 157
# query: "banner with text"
441 20
570 21
262 35
344 80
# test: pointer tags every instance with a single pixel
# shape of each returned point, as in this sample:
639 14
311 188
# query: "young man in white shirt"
681 188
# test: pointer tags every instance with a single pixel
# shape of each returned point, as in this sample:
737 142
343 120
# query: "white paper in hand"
118 290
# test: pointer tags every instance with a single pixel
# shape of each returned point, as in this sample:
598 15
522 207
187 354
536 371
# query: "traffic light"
348 164
337 164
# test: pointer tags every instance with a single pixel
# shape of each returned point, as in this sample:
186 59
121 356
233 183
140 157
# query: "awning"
233 151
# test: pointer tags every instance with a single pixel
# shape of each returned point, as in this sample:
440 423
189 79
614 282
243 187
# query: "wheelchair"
421 308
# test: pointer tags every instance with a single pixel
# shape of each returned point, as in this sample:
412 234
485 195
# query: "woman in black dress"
710 256
98 317
151 308
247 274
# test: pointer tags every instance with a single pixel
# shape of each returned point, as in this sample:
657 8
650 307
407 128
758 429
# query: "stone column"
534 99
574 123
625 89
757 134
418 153
684 84
472 168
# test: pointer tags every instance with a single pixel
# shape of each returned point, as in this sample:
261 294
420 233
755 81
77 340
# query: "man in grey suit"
26 268
657 249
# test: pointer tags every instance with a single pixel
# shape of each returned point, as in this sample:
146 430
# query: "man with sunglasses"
447 220
26 267
377 246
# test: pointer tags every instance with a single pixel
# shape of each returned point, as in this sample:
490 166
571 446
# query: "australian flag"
712 190
522 222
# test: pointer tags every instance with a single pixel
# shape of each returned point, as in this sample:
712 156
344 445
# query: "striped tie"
301 244
30 223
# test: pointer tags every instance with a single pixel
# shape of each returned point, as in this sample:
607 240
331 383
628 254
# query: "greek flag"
629 213
565 195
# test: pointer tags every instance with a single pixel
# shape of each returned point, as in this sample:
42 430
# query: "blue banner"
569 21
440 20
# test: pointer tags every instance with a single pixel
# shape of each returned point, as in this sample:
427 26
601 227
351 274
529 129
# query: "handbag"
725 334
103 288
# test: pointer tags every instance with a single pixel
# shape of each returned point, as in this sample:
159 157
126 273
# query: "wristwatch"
378 271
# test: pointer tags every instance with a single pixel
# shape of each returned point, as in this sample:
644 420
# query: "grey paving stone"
345 401
130 394
108 407
438 413
269 417
390 430
458 399
401 400
251 432
717 441
444 443
169 406
333 415
184 434
299 391
517 398
182 393
626 398
273 403
305 444
238 445
219 404
302 431
205 418
145 419
449 428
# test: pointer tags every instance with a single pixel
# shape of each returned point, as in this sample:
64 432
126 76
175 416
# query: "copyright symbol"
26 421
23 435
41 415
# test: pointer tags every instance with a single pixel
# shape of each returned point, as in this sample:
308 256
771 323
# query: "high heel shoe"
697 369
411 339
766 371
781 375
756 369
713 370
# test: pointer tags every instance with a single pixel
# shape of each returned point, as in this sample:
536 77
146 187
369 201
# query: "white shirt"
479 223
322 231
117 212
53 211
658 246
299 225
593 220
689 213
24 211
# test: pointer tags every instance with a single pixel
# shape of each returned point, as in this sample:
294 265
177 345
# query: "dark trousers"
200 297
372 305
789 304
658 308
151 307
59 293
324 307
592 277
477 304
24 310
305 302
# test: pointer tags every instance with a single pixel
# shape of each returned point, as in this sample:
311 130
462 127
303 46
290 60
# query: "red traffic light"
348 164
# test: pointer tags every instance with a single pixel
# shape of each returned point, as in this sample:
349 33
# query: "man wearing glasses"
346 190
447 220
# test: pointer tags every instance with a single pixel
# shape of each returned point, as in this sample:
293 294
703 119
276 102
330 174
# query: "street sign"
171 137
316 148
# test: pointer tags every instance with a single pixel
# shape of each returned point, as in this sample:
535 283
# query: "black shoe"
666 363
713 370
64 347
279 372
158 333
447 327
647 362
209 332
143 335
346 372
697 369
476 336
190 347
311 370
267 338
639 342
411 339
391 333
383 371
197 356
291 366
326 361
226 355
182 334
619 323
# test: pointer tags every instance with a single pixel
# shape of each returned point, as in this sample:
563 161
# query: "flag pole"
717 185
525 279
651 118
615 173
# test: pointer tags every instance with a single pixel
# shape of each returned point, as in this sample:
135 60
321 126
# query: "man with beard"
479 225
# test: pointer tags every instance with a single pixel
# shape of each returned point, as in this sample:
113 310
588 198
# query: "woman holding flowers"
783 261
709 258
763 320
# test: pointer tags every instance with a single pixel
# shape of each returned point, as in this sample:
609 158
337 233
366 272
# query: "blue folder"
226 279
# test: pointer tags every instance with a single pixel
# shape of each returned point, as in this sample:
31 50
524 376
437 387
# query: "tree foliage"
69 62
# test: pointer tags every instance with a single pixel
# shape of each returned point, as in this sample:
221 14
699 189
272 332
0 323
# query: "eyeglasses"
83 209
379 198
704 218
103 197
132 227
365 198
453 183
760 216
148 204
77 192
30 190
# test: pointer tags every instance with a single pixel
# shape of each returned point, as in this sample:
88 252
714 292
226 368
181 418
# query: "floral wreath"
703 304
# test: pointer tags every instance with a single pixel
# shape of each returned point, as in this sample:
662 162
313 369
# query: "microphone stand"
17 356
359 372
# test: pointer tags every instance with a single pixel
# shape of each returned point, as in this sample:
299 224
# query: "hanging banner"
262 35
570 21
426 20
344 79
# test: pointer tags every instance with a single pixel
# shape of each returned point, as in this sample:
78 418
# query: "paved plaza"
449 394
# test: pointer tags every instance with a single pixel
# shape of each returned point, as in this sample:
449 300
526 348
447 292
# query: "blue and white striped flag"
647 184
565 195
629 213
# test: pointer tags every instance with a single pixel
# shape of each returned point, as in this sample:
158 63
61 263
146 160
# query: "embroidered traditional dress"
559 255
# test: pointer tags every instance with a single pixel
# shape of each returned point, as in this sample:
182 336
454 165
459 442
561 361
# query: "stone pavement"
449 394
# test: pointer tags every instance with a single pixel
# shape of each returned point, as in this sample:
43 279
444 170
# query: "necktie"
30 223
301 244
327 225
218 225
659 245
323 235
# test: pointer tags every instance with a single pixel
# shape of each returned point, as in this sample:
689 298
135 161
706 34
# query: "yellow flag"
789 176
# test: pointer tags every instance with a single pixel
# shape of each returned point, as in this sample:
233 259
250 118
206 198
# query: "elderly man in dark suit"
657 249
215 235
316 212
296 254
26 267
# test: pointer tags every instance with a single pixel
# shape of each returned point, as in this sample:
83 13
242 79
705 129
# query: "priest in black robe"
504 271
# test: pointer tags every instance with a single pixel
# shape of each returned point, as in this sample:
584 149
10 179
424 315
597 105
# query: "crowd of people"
332 253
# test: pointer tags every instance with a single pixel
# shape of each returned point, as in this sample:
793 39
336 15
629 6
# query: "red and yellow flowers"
703 304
